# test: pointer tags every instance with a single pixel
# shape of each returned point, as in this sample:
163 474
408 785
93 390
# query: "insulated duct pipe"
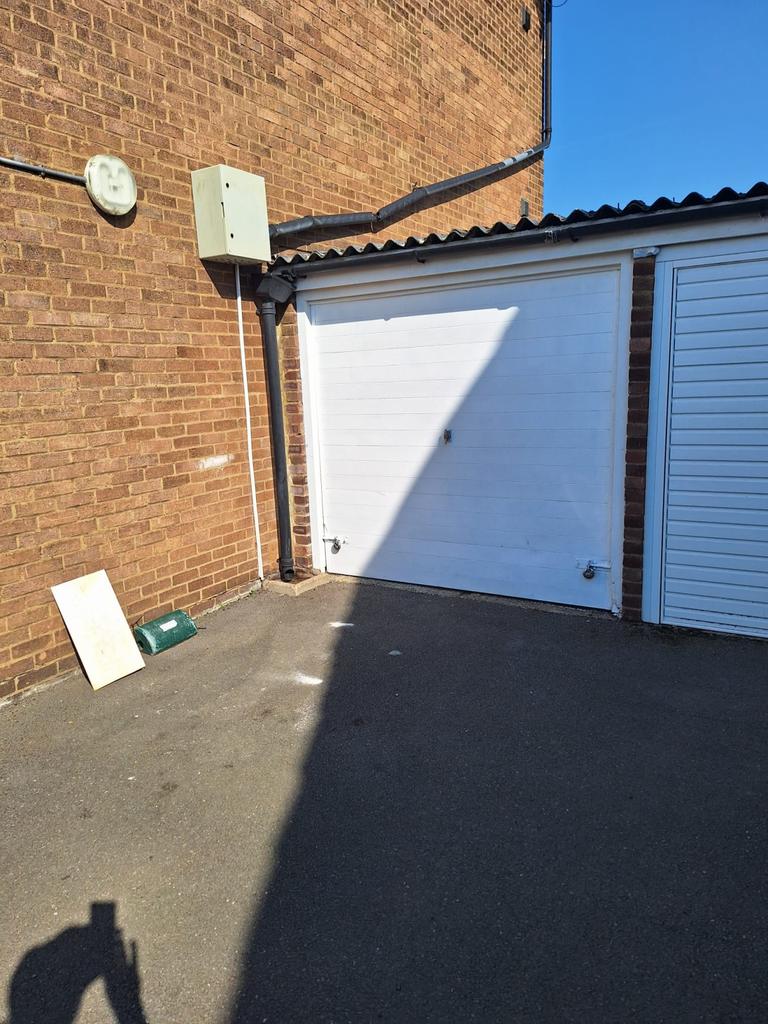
269 292
440 191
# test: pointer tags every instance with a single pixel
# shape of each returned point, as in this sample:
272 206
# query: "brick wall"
643 274
293 411
119 352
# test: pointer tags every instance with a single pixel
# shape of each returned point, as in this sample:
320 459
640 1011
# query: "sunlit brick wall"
120 361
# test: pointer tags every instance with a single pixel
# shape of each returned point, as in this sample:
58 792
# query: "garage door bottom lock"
590 567
336 543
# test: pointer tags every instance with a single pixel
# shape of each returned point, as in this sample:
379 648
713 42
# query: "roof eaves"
606 213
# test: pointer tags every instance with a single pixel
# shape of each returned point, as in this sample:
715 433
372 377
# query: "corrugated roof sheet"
550 220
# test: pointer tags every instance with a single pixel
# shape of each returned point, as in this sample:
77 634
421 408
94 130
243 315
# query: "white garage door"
715 557
465 436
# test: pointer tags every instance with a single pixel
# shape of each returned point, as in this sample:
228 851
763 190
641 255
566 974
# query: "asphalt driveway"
374 803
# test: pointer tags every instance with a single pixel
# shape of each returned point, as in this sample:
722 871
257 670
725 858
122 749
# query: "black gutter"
42 172
573 232
271 290
440 191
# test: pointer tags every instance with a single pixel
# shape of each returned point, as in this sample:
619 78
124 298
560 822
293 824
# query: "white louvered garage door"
715 561
516 499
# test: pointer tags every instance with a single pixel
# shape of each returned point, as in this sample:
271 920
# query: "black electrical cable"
42 172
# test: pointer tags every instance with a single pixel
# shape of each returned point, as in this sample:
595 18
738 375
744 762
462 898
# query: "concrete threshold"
297 588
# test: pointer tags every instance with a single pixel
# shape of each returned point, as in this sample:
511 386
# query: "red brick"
125 348
643 276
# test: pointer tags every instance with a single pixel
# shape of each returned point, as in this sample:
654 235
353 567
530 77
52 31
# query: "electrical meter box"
230 215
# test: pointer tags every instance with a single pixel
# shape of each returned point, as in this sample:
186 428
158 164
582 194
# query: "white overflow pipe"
249 438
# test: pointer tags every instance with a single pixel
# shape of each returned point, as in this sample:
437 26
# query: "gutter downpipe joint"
273 289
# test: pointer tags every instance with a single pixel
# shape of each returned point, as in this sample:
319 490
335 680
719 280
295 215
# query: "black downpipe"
267 316
440 191
400 208
546 77
42 172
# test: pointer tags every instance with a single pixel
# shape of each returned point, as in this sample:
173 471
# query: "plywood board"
98 628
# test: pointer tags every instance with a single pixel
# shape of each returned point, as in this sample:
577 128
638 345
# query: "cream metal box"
230 215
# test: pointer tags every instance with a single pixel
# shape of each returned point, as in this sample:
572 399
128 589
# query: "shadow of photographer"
49 983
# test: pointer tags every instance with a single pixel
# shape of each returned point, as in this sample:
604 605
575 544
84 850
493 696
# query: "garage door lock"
590 567
335 543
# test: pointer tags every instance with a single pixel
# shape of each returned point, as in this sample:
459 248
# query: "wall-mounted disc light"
110 184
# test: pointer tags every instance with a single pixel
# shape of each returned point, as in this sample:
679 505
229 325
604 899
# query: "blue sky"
656 97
